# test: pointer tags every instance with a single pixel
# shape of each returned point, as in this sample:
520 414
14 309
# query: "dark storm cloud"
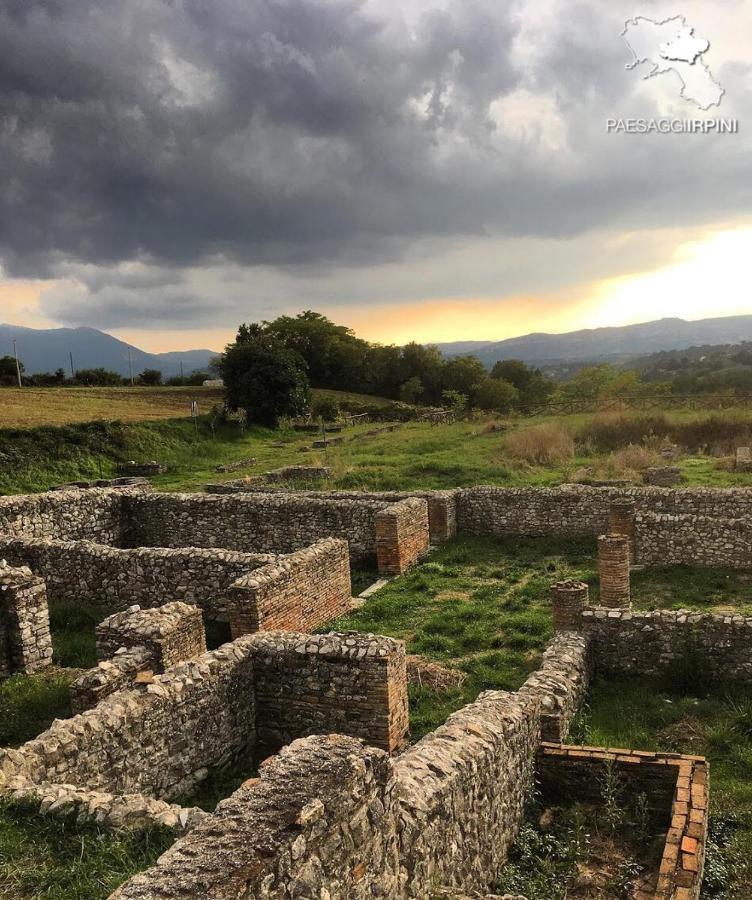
315 133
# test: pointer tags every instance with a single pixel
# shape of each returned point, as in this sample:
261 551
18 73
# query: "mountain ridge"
47 349
613 343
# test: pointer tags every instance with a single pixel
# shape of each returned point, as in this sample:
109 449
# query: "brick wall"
298 592
170 634
401 535
675 786
316 684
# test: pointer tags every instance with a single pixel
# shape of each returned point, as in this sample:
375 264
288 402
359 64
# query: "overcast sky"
430 169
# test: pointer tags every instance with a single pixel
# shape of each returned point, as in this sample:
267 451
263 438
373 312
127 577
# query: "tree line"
98 377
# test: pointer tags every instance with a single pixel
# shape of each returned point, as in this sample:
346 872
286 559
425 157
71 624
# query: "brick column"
567 600
24 621
613 570
621 520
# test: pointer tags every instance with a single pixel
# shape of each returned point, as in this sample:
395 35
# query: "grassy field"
146 423
31 407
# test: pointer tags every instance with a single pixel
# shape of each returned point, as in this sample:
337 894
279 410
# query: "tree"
493 394
97 377
412 390
8 374
263 377
454 400
462 373
150 377
514 371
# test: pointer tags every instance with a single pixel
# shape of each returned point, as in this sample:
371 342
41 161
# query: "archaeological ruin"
343 805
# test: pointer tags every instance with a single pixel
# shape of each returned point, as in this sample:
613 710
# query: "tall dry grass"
543 445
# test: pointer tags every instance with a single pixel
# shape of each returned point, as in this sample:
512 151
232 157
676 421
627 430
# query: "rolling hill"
44 350
617 344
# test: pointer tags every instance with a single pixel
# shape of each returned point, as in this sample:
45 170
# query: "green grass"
29 703
50 858
712 721
480 604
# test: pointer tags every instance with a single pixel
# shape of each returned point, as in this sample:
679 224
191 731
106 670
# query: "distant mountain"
47 349
614 345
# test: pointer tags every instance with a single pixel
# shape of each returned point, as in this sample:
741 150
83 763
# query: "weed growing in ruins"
642 714
611 791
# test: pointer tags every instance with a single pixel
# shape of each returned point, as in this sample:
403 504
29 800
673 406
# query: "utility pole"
181 370
130 365
18 367
72 370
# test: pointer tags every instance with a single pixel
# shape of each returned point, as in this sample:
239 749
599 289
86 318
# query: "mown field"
31 407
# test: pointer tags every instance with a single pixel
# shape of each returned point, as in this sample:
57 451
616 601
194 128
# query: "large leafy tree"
264 377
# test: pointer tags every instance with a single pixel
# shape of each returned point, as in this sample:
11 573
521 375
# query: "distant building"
214 382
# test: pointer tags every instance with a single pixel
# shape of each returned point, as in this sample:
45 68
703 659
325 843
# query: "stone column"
25 619
568 598
613 570
621 520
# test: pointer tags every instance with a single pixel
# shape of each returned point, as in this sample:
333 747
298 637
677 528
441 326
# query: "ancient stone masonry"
299 592
663 476
462 793
568 599
75 515
171 634
704 526
744 459
251 522
442 507
156 741
109 676
354 684
561 682
671 539
25 642
647 643
675 787
613 570
114 579
401 535
274 837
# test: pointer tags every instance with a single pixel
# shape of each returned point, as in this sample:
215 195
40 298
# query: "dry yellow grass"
548 444
29 407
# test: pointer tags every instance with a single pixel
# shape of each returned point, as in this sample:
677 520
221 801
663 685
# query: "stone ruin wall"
113 579
648 643
250 523
352 684
298 592
274 838
122 761
442 505
139 641
25 640
700 526
69 515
